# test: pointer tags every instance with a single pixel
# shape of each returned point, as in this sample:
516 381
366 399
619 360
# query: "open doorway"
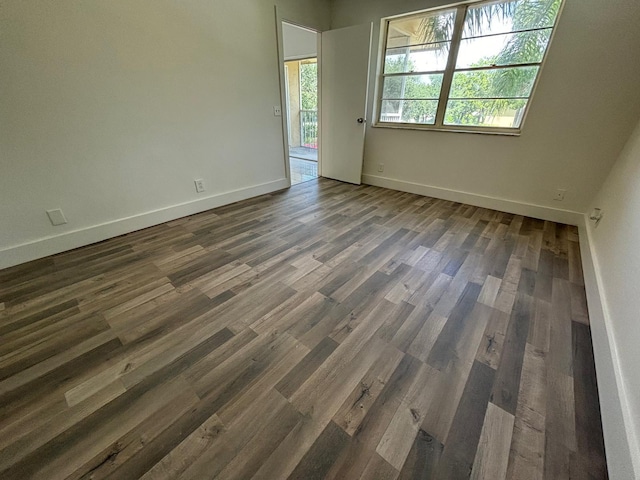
301 87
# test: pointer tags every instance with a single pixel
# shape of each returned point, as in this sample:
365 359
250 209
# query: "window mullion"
451 64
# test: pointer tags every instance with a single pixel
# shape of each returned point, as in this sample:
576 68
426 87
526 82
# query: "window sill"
507 132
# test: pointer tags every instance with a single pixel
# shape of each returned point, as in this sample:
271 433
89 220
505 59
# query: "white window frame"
450 69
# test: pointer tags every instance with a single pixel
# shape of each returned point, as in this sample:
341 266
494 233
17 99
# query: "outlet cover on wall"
277 111
199 185
381 167
56 217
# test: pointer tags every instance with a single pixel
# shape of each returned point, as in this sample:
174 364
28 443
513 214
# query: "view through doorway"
301 72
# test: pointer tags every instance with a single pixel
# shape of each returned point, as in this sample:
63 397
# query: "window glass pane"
409 111
508 49
418 29
502 46
502 113
498 83
412 86
422 58
509 16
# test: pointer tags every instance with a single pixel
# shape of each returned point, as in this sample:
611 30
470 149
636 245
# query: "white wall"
583 111
298 42
111 108
615 248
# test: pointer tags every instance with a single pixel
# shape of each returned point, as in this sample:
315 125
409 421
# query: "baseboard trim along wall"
530 210
44 247
623 451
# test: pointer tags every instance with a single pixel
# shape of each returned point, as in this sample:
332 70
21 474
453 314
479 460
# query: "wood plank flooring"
330 331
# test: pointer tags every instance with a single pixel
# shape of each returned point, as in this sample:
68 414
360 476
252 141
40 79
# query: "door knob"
361 120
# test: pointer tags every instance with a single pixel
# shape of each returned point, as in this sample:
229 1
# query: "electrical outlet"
277 111
56 217
199 185
381 167
559 196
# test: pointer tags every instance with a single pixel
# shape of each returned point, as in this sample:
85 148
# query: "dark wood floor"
328 331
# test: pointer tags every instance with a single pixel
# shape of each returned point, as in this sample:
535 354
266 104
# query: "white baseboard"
530 210
623 451
44 247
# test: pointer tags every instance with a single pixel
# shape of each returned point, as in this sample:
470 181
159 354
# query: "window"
471 67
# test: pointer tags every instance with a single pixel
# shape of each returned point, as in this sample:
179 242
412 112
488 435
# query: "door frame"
283 89
287 101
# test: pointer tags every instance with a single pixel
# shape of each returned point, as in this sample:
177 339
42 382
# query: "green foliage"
309 86
522 48
475 85
411 87
524 14
437 27
470 112
477 88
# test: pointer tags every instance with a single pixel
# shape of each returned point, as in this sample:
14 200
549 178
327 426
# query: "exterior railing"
390 117
309 128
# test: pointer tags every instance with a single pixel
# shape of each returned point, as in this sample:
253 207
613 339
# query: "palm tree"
533 16
439 28
524 15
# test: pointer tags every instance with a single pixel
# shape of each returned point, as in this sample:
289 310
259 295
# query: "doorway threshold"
302 170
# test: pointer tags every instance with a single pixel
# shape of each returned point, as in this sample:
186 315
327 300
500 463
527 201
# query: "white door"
345 58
